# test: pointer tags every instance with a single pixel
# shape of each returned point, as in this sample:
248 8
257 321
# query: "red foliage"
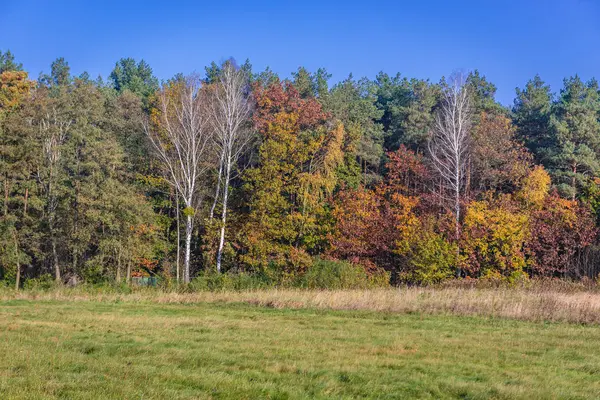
278 100
559 231
407 172
363 231
373 225
409 175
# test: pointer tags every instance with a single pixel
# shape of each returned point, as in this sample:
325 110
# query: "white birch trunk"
224 214
189 226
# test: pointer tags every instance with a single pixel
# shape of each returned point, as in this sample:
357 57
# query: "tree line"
235 171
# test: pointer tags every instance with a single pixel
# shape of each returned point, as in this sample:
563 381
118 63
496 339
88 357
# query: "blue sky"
509 41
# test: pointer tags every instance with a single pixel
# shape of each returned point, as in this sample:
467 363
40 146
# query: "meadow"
298 344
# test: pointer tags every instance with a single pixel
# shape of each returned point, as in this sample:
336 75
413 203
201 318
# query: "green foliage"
7 62
431 259
60 74
135 77
354 103
188 211
213 281
408 110
213 71
573 156
531 115
41 283
331 274
321 274
483 94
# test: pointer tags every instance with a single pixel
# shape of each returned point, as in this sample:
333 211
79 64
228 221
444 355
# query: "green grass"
91 350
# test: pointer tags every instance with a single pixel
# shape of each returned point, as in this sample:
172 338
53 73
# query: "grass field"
133 350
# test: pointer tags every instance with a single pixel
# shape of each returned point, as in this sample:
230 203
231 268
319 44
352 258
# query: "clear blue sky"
509 41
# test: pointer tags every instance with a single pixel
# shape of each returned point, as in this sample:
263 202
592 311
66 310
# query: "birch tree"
449 142
180 135
230 111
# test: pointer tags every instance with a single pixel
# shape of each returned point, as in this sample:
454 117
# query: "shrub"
431 260
214 281
331 274
43 282
495 231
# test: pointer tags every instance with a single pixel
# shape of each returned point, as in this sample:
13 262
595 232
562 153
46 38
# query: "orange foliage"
14 87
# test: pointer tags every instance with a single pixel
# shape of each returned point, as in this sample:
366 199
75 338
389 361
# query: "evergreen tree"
483 94
60 74
407 107
7 62
531 116
311 84
354 103
135 77
574 155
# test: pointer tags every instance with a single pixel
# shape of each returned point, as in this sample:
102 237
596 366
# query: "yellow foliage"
494 236
14 86
535 188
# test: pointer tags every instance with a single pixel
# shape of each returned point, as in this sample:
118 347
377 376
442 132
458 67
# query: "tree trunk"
55 259
25 203
128 278
177 266
18 279
6 196
51 218
457 222
118 275
214 205
574 181
188 247
224 214
75 223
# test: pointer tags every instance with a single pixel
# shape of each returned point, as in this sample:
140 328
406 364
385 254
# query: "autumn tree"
230 110
375 227
561 230
298 156
363 229
180 135
450 141
498 162
493 241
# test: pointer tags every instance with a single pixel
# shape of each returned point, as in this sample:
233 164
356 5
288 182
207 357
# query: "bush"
330 274
214 281
322 274
431 260
43 282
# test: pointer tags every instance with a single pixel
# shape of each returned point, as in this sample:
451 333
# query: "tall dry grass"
537 304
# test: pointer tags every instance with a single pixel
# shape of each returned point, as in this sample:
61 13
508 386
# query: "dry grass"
538 304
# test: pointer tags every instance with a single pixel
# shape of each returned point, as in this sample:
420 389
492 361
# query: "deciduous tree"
180 135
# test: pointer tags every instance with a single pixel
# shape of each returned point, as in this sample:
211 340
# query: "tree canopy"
243 170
